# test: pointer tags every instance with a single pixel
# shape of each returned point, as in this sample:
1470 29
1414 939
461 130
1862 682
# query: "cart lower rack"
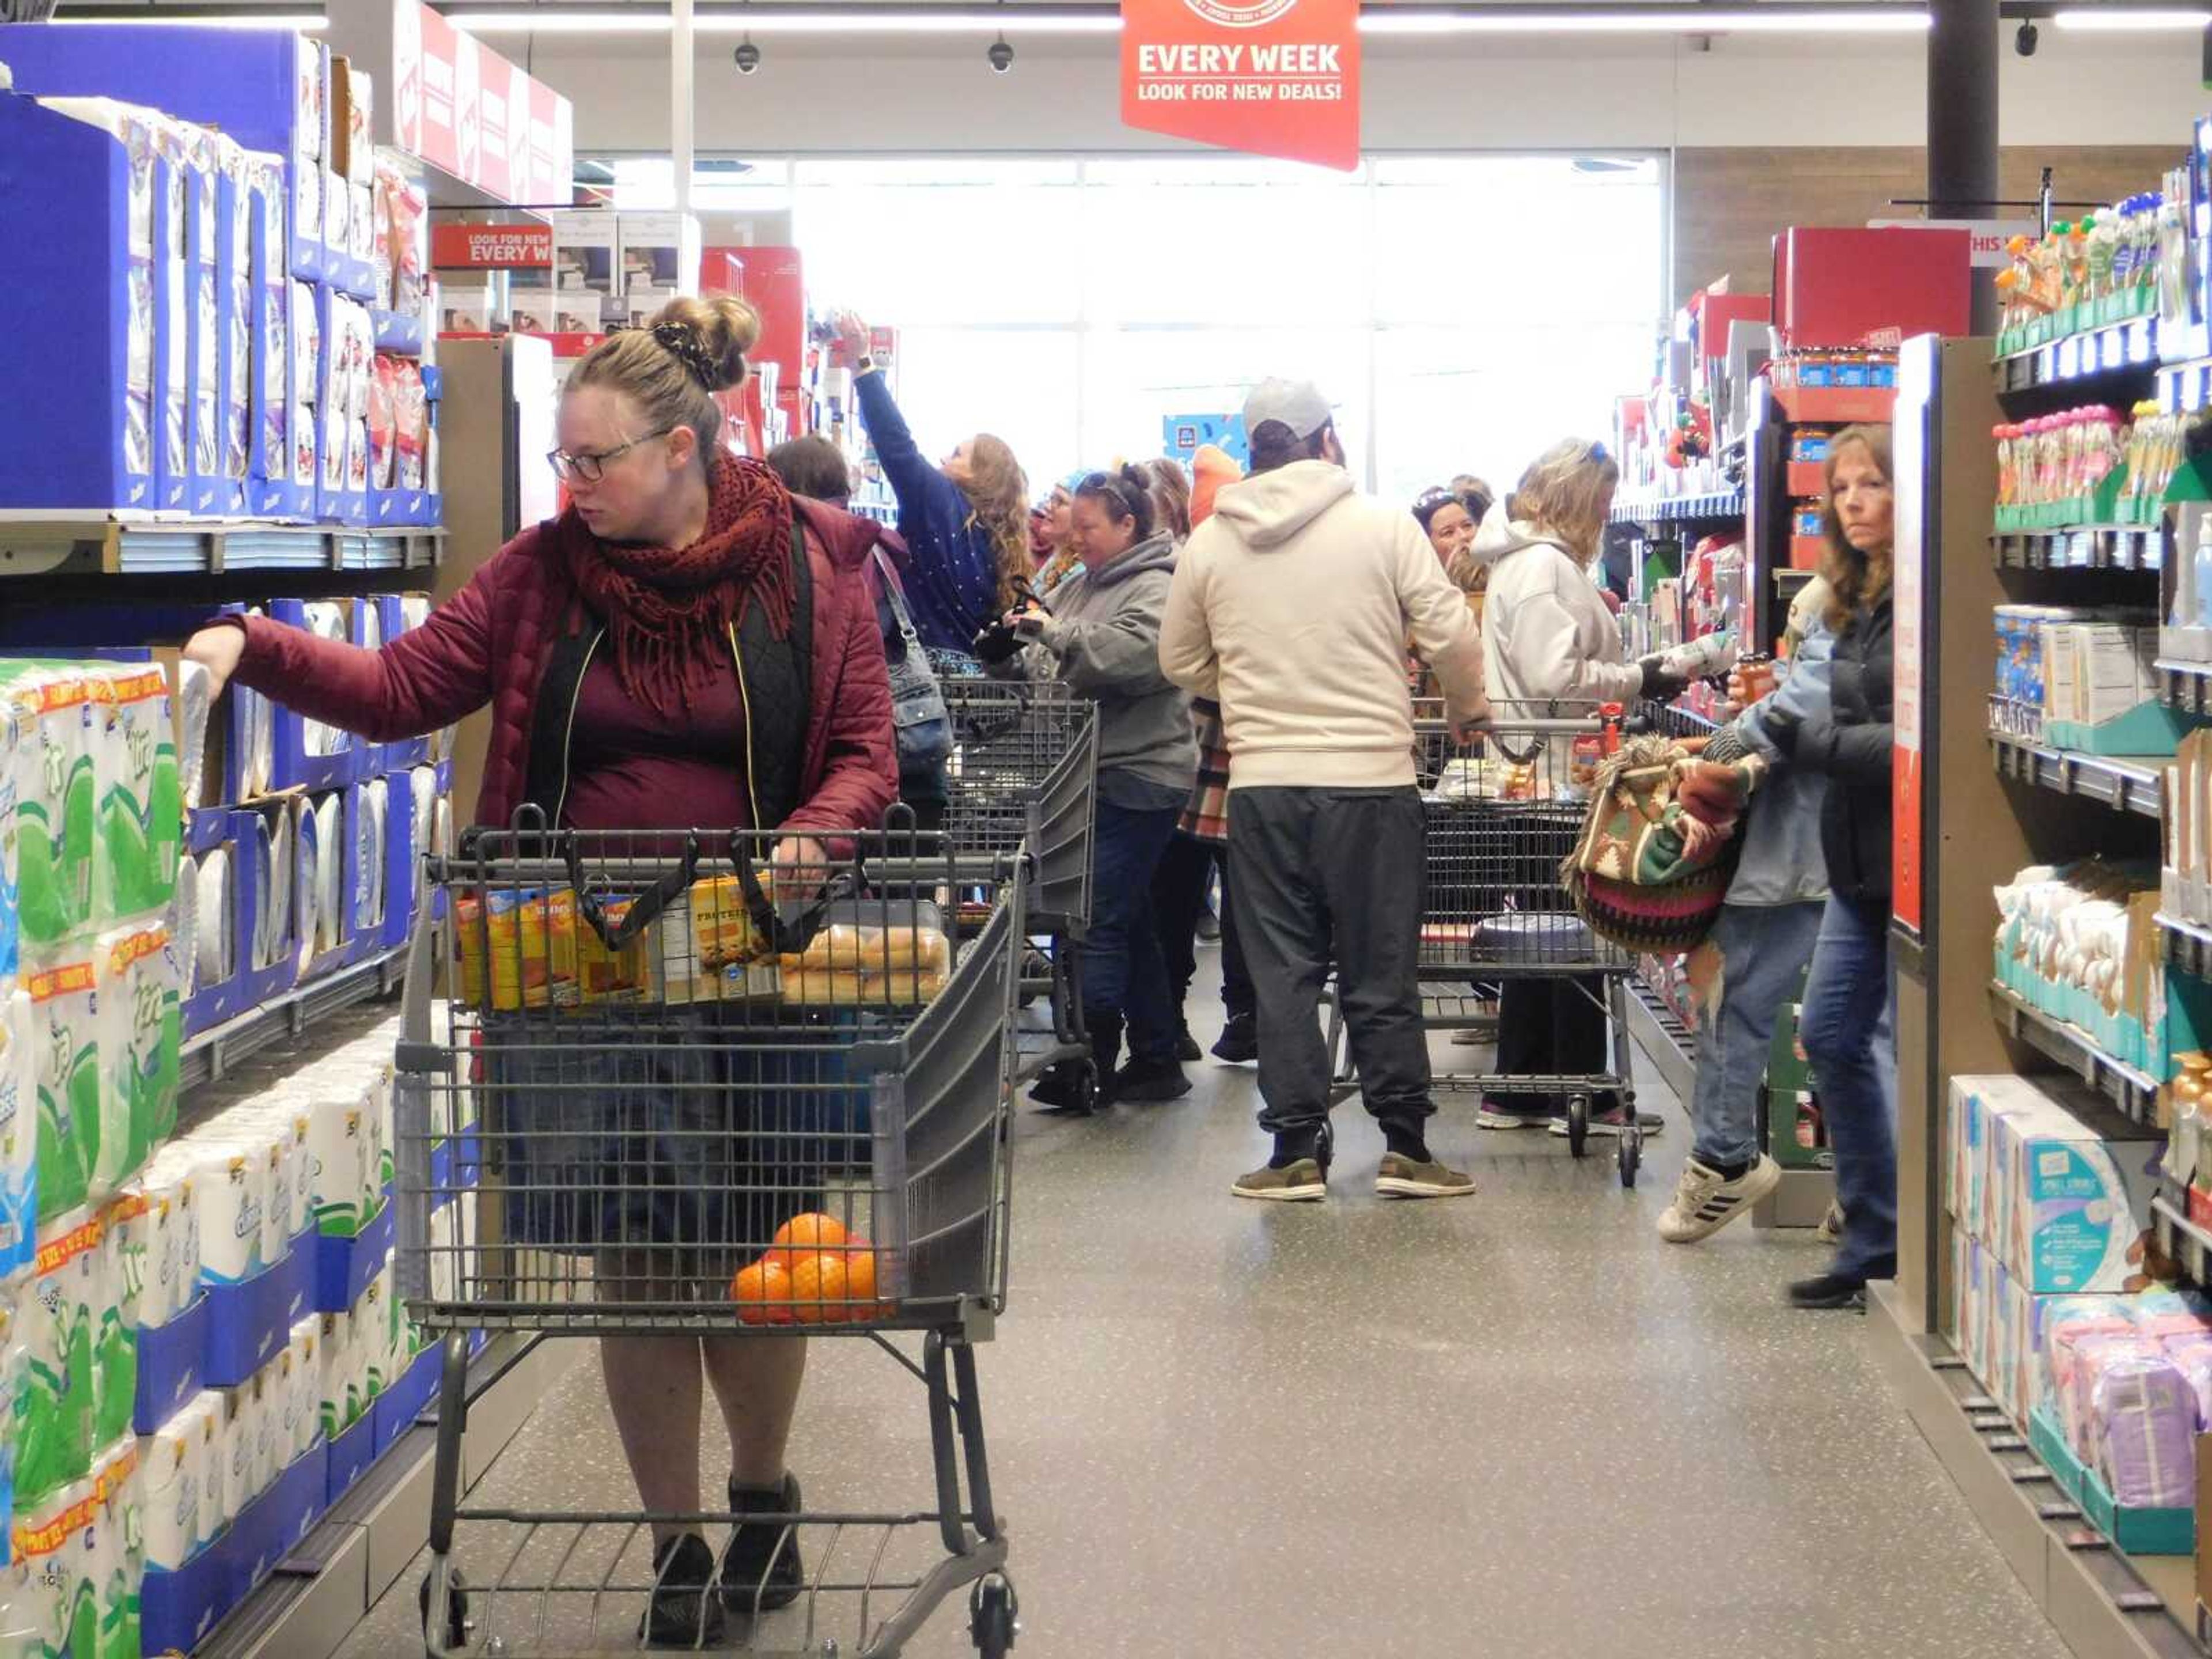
675 1090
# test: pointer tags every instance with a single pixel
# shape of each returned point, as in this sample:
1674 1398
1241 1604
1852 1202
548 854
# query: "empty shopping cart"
1501 815
634 1062
1023 775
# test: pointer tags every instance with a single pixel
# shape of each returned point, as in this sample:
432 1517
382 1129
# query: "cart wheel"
993 1617
1632 1151
458 1623
1579 1124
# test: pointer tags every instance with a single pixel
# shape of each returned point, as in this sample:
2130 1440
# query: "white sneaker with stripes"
1704 1203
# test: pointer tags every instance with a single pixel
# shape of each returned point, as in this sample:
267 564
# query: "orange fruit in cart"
803 1235
757 1289
819 1284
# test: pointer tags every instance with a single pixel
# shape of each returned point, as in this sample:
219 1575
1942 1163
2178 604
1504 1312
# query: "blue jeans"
1850 1037
1122 967
1762 950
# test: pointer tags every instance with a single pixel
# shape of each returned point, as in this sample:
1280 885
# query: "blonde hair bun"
727 329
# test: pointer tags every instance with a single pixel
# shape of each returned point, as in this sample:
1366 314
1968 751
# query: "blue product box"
87 197
212 1002
344 1266
351 1453
345 948
248 1322
456 1163
2139 1532
291 764
398 1406
170 1358
273 1524
177 1609
398 335
282 972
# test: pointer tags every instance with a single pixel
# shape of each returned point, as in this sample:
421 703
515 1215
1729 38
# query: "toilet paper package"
124 1239
2077 1199
53 1592
239 1437
289 1114
339 1360
174 1470
212 1407
338 1143
119 1547
19 1132
141 808
66 1077
235 1183
271 1385
140 1028
57 1328
164 1290
58 804
305 1349
376 1328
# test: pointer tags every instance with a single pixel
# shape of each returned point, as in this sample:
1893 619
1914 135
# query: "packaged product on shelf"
124 1239
19 1131
164 1247
372 828
232 1184
67 1076
376 1324
58 1326
57 803
53 1594
305 1349
337 1356
175 1472
238 1438
120 1544
141 1034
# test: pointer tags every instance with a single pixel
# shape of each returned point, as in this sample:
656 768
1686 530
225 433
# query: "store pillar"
1962 122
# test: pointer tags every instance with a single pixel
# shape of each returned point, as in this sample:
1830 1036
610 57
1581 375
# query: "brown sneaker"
1301 1182
1400 1178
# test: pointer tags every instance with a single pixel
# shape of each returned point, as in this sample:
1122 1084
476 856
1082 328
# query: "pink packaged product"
2099 1319
2093 1357
2192 1357
382 415
2143 1428
411 416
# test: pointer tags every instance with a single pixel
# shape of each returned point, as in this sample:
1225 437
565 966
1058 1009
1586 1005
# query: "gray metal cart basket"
651 1060
1501 815
1023 775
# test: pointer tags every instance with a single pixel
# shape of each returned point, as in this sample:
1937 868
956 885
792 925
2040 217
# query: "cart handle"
645 910
790 937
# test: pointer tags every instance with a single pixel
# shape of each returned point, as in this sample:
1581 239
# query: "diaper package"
140 1028
58 1323
2076 1199
65 1046
19 1130
142 804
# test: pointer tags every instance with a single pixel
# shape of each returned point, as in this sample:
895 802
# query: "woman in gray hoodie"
1102 640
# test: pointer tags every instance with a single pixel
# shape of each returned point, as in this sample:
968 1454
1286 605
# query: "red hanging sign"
462 107
1270 77
491 247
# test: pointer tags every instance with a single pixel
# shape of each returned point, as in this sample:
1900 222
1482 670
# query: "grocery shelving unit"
2088 547
111 547
2126 785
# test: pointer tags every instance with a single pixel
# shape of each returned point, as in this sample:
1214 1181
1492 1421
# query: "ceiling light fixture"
297 23
2120 20
891 18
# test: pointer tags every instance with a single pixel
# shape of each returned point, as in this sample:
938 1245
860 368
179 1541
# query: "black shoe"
1186 1048
751 1581
1841 1290
1240 1040
682 1613
1150 1081
1059 1089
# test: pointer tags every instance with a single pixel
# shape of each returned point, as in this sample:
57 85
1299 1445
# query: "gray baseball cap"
1298 404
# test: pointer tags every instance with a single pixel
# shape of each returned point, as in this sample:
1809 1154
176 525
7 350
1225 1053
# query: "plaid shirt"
1207 817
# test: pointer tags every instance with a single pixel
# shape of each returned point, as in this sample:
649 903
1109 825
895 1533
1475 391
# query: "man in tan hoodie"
1290 607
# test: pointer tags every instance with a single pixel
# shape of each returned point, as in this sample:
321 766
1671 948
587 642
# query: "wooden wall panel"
1729 202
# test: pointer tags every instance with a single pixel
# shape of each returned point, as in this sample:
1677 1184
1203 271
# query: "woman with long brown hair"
685 648
1848 1024
966 522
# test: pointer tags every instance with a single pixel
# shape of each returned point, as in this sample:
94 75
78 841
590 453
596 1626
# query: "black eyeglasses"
1105 483
587 467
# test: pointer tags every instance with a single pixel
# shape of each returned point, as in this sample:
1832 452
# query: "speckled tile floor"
1518 1424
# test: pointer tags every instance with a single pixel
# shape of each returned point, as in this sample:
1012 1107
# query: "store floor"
1513 1425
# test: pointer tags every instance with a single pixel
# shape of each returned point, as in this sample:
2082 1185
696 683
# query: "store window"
1460 310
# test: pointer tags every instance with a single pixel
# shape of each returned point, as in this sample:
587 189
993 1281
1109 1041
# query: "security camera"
1001 55
748 57
2025 42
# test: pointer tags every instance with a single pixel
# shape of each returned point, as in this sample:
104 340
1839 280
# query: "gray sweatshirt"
1103 642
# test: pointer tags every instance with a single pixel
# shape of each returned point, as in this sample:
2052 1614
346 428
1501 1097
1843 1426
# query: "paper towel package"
234 1184
339 1159
53 1593
305 1349
141 795
175 1468
57 811
140 1028
19 1131
125 1237
66 1075
120 1541
2077 1201
339 1355
173 1177
239 1437
165 1189
58 1326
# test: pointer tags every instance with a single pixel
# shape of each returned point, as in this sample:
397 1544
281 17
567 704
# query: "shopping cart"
1023 775
1501 815
645 1064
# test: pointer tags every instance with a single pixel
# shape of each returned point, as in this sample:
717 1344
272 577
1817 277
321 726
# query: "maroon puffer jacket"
489 644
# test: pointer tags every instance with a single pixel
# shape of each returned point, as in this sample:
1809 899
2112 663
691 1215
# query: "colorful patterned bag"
1645 873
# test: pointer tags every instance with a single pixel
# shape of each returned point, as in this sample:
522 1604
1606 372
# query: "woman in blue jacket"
966 523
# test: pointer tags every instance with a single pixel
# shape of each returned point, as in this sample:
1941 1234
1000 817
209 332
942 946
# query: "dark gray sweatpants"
1328 875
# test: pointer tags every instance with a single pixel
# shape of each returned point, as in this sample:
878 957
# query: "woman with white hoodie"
1548 636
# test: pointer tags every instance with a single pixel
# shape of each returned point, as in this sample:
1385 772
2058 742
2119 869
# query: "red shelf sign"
464 108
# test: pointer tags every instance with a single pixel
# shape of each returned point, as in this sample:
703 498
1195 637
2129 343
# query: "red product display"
1835 287
776 284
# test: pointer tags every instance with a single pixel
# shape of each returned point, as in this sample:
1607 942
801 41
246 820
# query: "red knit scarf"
671 610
